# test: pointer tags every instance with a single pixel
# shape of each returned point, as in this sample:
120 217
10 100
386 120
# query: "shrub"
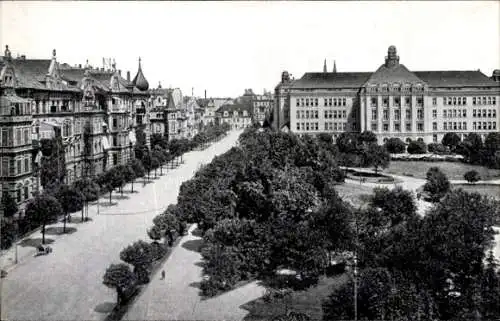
435 148
450 140
417 147
472 176
395 146
437 184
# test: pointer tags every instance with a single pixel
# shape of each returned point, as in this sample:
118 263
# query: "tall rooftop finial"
159 84
324 66
7 52
139 62
53 53
334 66
392 59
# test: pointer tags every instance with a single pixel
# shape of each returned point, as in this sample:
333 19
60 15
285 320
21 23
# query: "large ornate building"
94 110
391 102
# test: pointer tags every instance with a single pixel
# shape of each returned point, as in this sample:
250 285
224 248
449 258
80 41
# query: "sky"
225 47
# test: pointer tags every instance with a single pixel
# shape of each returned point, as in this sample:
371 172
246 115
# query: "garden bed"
453 170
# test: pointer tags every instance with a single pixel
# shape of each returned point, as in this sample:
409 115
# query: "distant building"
391 102
238 116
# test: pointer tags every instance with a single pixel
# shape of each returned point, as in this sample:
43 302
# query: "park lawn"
308 301
488 190
454 170
355 194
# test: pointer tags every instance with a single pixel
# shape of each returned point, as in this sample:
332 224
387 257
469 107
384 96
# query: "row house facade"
238 115
94 111
391 102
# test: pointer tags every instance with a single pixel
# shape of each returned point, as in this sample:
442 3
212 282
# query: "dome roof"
139 80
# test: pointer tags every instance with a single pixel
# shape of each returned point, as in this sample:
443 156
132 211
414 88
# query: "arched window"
420 139
408 140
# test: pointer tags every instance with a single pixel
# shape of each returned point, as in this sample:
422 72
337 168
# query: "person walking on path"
163 275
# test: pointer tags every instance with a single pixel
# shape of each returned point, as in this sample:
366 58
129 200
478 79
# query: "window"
454 100
434 113
484 100
464 125
298 126
445 126
315 101
115 159
307 114
434 126
484 113
434 101
397 115
434 138
385 101
397 127
420 114
26 165
464 113
386 127
316 114
408 113
489 112
344 101
307 126
473 113
454 126
494 113
298 114
5 167
474 127
386 114
494 100
374 101
374 114
307 102
115 121
407 101
473 100
494 125
464 101
420 127
18 136
408 127
19 168
298 103
420 101
374 127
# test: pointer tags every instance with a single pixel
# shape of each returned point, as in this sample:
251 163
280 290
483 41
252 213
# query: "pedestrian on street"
163 274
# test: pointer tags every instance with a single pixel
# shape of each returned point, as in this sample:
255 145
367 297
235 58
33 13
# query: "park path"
177 296
67 284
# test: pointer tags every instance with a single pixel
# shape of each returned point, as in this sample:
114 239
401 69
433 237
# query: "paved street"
67 284
177 297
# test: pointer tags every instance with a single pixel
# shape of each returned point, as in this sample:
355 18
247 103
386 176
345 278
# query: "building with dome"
393 101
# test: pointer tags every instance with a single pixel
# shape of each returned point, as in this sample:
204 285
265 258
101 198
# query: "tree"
137 169
451 140
53 164
43 209
417 147
472 148
9 205
139 255
367 137
472 176
119 277
89 190
71 200
160 159
437 184
377 156
167 223
395 146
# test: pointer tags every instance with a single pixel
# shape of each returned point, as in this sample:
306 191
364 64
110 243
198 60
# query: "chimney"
120 72
80 66
205 94
128 75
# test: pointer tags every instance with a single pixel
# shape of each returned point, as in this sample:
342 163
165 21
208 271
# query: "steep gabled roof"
31 73
331 80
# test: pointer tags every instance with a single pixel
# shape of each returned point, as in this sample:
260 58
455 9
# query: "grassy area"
488 190
454 170
354 193
308 301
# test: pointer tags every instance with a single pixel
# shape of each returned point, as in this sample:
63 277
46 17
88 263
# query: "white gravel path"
67 284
